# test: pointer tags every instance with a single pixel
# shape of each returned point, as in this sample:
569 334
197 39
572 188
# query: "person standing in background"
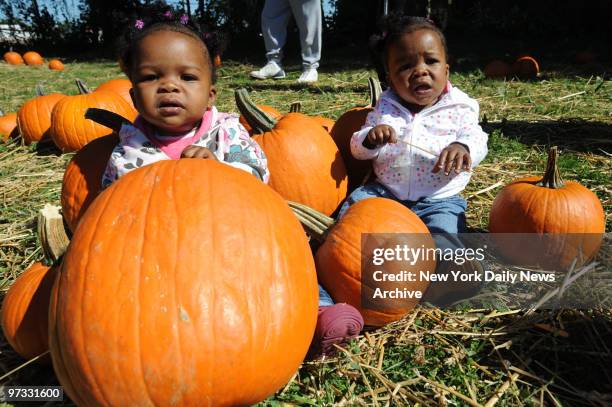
274 20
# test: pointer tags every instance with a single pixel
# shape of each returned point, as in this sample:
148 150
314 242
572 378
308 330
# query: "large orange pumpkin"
526 67
13 58
497 69
83 177
347 124
120 86
187 282
34 117
339 258
548 205
70 130
25 311
33 58
325 122
305 164
8 123
56 65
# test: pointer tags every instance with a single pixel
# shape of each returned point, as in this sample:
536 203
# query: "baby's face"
171 80
417 68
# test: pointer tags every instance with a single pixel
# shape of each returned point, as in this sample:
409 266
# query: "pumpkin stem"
52 233
316 224
83 89
296 107
255 117
552 177
375 90
40 89
106 118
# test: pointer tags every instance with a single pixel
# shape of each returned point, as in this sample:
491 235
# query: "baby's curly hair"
392 27
147 25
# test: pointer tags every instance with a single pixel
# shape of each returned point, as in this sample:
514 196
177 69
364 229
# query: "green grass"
408 360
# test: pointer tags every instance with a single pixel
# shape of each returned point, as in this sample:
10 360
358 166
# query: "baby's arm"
194 151
367 142
240 151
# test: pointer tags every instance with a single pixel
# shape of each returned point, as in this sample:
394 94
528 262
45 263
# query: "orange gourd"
339 258
548 205
13 58
33 58
56 65
120 86
34 117
70 130
305 164
186 282
342 131
269 110
497 69
8 123
83 177
25 311
526 67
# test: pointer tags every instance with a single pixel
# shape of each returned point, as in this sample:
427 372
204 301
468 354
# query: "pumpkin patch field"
485 355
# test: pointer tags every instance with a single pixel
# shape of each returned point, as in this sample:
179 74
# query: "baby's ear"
212 96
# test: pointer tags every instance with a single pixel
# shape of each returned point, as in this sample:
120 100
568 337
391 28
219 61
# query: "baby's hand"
455 156
381 134
198 152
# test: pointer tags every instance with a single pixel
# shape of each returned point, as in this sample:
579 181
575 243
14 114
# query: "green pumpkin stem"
255 117
106 118
83 89
552 177
316 224
296 107
375 90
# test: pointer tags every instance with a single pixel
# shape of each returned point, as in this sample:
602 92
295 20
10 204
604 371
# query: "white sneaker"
309 75
270 70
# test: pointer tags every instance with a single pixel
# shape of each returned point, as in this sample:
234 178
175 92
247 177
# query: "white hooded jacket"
405 167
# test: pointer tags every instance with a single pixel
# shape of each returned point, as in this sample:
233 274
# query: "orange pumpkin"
56 65
120 86
8 123
526 67
34 117
172 295
25 311
217 60
339 258
269 110
33 58
13 58
325 122
497 69
342 131
83 177
305 164
547 205
70 130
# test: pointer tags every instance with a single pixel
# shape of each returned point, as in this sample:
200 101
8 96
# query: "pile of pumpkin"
31 58
524 67
171 294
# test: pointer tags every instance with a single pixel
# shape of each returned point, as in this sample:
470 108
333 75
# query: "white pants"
274 20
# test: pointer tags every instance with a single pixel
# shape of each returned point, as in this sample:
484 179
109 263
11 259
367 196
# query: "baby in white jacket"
423 136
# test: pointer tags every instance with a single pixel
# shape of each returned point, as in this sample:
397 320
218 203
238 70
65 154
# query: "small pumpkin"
34 117
305 164
83 178
33 58
13 58
497 69
226 280
25 311
339 258
70 130
548 205
8 123
217 61
56 65
348 123
526 67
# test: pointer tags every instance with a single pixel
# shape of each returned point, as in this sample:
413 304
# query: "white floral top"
221 133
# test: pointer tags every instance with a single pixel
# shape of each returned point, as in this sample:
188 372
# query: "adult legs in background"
309 19
274 19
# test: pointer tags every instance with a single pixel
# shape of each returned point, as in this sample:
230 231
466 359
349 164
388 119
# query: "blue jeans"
445 215
325 300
